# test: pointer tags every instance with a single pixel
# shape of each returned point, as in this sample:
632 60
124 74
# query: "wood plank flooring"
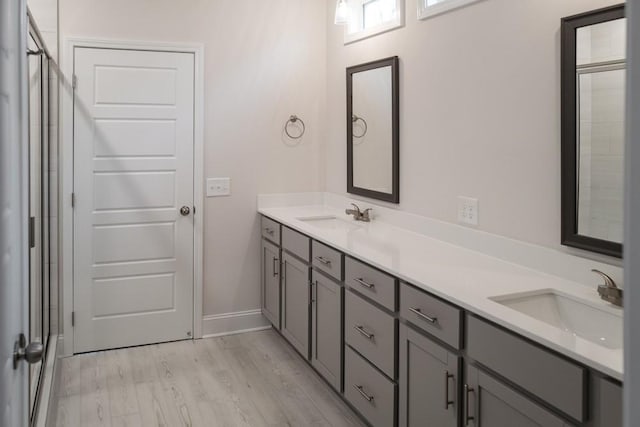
252 379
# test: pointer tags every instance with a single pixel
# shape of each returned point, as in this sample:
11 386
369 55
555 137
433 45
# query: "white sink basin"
330 223
594 322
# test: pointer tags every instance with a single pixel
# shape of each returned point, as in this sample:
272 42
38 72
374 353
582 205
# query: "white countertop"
461 276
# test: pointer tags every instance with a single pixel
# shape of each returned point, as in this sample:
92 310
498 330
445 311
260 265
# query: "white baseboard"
233 323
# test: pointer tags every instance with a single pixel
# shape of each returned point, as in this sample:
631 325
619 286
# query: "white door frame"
66 170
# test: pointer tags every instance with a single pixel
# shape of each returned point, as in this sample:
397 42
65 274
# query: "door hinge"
194 210
74 81
73 200
73 318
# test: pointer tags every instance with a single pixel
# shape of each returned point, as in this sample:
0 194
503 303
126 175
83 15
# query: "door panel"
493 404
428 382
133 157
326 325
271 283
295 299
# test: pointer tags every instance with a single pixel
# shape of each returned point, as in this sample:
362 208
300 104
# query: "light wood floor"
252 379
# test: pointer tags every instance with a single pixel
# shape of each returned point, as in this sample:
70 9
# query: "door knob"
32 353
185 210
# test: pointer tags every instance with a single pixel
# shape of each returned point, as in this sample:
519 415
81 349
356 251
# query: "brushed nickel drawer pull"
363 393
419 313
314 291
363 332
365 284
324 261
269 231
467 417
447 402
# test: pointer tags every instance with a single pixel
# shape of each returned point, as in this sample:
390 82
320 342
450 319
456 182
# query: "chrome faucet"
359 215
609 291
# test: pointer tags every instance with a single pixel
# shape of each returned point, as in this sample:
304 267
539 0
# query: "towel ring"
294 119
355 119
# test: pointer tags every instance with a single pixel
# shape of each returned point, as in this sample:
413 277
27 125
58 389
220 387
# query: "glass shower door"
39 211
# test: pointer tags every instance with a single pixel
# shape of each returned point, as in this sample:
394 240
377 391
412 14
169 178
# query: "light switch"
217 187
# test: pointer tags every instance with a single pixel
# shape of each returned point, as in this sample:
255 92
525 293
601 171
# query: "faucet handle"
608 281
357 208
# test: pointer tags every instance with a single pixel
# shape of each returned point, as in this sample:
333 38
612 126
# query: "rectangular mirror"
372 130
593 113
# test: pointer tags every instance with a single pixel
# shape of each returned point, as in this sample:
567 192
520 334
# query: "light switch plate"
468 210
217 187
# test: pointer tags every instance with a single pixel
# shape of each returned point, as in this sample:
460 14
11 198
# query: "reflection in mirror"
372 130
593 129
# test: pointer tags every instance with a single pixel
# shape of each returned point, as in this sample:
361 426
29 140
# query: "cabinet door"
429 382
489 403
295 303
271 282
326 327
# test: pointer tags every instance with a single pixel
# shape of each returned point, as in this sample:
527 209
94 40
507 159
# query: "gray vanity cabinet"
295 303
326 328
490 403
270 260
429 382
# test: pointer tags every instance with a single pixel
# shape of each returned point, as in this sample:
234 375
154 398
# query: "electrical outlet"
217 187
468 210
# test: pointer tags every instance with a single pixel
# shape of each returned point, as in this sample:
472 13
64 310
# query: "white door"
133 172
14 191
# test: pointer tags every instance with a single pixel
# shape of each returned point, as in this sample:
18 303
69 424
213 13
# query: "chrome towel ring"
293 120
355 119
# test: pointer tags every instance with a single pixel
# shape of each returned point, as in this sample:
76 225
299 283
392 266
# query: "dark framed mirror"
373 135
593 70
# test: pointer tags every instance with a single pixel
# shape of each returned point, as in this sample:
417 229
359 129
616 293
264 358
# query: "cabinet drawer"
271 230
373 283
371 331
544 374
296 243
430 314
327 259
370 392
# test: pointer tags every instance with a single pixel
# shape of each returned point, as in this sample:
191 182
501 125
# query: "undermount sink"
601 325
330 222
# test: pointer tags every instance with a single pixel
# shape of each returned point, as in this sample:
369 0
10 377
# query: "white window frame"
398 22
425 12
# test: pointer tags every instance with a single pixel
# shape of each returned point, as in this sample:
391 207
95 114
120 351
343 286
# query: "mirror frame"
569 142
394 196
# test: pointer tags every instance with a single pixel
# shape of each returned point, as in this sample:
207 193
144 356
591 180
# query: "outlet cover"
468 210
217 187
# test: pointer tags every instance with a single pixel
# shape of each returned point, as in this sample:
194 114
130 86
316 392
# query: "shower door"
39 207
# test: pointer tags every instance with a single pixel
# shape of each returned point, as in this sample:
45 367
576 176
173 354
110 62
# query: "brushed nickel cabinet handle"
467 417
323 260
275 264
419 313
363 393
447 402
363 332
314 291
365 284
